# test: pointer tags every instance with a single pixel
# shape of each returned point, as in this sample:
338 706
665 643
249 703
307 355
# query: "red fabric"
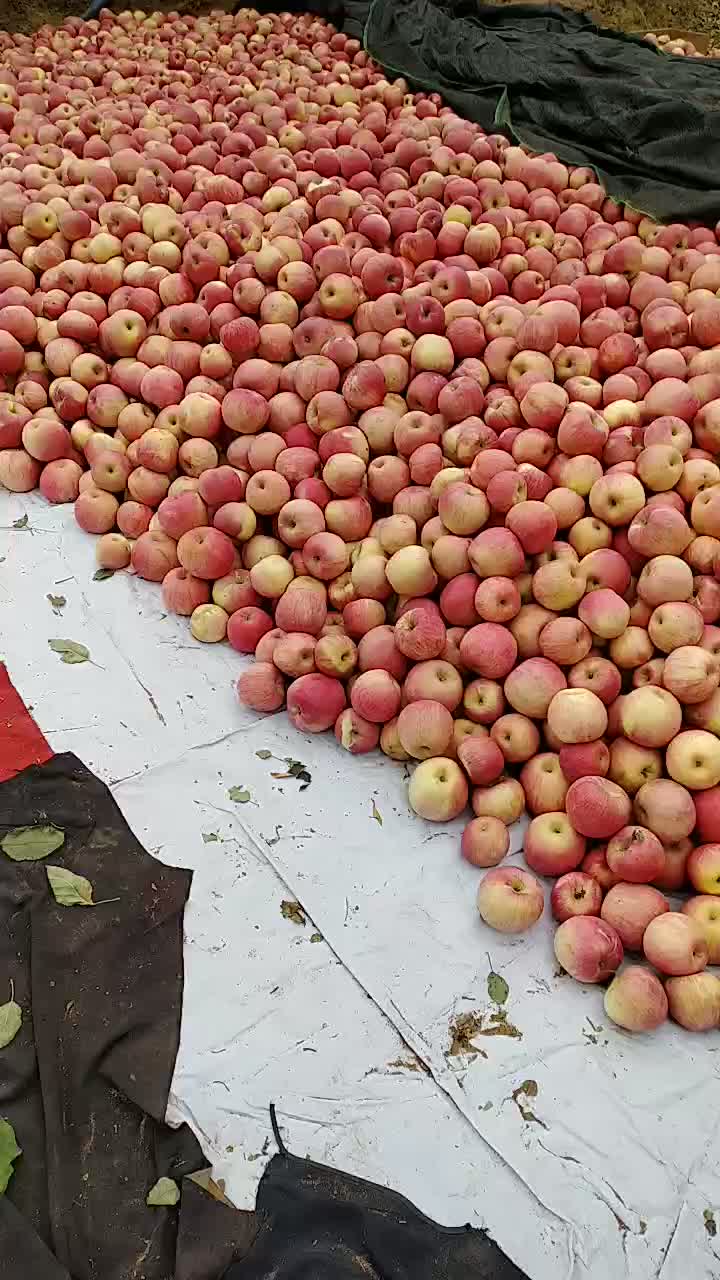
21 742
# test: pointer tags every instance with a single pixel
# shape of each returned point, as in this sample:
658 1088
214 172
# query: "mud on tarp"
647 123
85 1082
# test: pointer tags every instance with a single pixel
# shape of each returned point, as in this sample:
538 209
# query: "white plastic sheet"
585 1152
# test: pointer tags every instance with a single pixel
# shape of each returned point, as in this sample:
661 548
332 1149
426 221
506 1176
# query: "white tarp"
585 1152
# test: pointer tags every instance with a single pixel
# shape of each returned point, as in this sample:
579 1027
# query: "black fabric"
85 1083
85 1086
316 1223
647 122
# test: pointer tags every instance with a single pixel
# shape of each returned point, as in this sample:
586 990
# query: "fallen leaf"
498 989
463 1030
29 844
22 523
264 755
293 911
70 651
68 889
100 575
709 1221
500 1025
239 794
10 1019
57 602
295 769
409 1064
9 1152
205 1180
164 1194
376 814
528 1089
210 837
316 937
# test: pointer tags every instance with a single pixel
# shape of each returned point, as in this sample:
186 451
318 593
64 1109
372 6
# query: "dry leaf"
204 1179
22 523
293 911
376 814
56 602
528 1089
296 769
100 575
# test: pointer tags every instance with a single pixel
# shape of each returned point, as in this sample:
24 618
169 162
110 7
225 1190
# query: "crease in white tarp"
607 1169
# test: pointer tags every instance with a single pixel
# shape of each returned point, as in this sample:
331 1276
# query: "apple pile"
685 48
423 422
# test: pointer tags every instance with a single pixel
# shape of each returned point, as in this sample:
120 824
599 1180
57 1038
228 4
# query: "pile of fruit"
425 423
685 48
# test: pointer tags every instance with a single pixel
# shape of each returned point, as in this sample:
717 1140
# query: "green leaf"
164 1194
376 814
316 937
100 575
295 769
498 989
9 1152
22 523
239 794
29 844
10 1020
70 890
264 755
56 602
70 651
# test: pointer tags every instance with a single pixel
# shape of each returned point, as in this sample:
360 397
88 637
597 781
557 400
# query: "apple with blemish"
588 948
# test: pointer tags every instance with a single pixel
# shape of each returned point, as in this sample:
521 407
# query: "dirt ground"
653 15
628 15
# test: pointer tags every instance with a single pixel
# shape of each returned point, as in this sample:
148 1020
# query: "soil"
652 15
